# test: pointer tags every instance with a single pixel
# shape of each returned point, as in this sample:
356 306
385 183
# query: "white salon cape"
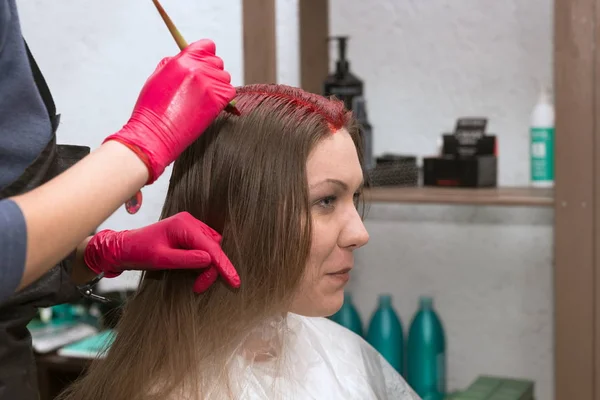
322 361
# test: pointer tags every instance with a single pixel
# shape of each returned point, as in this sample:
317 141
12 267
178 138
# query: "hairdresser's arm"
181 98
66 209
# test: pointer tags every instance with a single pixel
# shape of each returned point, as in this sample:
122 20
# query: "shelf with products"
501 196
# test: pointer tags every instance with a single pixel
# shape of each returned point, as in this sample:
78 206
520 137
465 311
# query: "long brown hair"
246 178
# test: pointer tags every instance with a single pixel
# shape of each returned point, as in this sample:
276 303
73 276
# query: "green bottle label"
542 154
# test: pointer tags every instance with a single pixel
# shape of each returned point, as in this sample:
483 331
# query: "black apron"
18 375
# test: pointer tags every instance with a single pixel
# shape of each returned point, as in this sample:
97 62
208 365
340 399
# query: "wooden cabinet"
577 199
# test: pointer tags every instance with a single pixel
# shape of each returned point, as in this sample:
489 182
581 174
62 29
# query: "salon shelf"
503 196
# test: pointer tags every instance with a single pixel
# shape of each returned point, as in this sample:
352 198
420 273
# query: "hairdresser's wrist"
80 272
150 137
140 155
130 159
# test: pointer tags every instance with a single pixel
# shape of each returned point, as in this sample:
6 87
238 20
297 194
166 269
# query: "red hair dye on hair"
332 111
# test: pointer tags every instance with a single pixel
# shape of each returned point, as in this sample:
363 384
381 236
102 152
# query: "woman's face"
334 177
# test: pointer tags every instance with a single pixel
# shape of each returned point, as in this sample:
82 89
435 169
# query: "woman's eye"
327 202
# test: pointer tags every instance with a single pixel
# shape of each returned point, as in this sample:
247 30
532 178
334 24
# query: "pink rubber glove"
177 242
178 102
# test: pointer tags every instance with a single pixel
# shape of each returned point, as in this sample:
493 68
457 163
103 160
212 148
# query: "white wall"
424 64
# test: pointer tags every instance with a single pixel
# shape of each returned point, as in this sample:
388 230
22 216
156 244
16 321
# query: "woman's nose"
354 234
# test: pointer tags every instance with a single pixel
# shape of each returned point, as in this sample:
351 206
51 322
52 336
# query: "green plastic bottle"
348 316
542 141
426 358
385 333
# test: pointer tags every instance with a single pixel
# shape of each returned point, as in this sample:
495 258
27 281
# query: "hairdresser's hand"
178 242
178 102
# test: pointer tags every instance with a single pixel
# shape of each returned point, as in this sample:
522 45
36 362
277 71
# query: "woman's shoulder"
339 336
348 356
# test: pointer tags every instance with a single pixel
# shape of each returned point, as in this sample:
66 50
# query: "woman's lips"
341 271
343 275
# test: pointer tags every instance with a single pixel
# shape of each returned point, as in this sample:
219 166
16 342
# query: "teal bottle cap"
385 300
426 302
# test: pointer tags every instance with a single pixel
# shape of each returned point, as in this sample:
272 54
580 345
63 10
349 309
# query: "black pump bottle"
342 83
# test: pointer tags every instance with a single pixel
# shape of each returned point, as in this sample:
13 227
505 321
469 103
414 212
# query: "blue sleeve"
4 20
25 127
13 247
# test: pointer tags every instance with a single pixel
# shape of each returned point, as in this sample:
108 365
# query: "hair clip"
88 292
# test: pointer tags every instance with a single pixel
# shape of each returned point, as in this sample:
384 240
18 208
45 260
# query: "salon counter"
56 372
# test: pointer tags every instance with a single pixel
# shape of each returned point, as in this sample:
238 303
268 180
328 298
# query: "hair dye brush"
183 44
133 205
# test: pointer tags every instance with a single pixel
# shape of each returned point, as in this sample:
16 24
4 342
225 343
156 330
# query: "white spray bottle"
541 146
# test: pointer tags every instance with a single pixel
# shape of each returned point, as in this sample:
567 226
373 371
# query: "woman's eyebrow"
337 182
343 185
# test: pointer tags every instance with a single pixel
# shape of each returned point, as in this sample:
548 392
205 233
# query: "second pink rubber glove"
178 242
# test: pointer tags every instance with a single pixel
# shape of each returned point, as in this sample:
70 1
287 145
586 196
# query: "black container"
342 83
394 170
468 159
478 171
